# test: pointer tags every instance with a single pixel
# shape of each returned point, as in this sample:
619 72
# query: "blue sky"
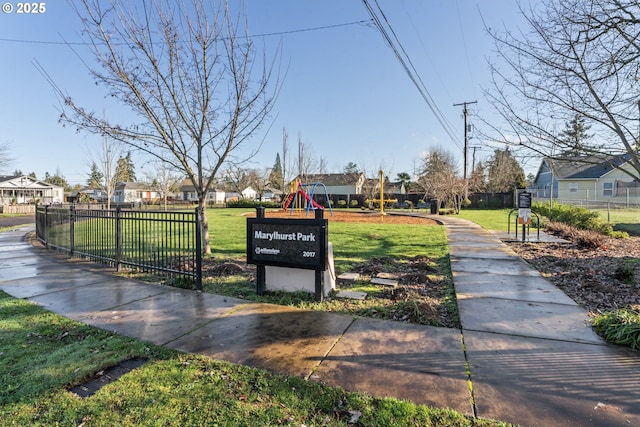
344 92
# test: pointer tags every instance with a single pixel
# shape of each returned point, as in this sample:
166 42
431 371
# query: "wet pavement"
526 347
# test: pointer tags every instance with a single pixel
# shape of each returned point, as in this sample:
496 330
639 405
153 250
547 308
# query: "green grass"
392 246
622 219
43 353
490 219
352 242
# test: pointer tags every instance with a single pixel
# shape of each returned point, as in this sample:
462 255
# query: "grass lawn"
391 247
622 219
490 219
43 354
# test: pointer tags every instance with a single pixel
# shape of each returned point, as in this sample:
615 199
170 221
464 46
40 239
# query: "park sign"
295 243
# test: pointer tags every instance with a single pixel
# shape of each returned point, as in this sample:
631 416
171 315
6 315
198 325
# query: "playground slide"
303 193
309 199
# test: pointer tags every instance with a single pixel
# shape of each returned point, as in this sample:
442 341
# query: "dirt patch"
107 376
355 216
601 279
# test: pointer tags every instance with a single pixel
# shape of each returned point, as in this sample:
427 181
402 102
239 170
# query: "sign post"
524 211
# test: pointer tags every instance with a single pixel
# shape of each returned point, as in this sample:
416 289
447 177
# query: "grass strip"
43 354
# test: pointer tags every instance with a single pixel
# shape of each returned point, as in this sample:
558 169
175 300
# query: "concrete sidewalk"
532 357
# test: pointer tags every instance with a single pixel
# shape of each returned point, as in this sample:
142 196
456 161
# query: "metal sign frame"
295 243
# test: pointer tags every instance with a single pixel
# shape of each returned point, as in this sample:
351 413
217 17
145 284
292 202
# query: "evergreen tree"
351 168
504 172
574 136
477 180
95 177
405 179
125 170
276 174
57 179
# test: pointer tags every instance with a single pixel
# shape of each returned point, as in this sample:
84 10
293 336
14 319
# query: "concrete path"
532 357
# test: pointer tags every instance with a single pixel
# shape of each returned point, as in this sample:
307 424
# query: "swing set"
298 195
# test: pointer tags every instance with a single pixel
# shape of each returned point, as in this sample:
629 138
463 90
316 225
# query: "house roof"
132 186
584 167
23 181
333 179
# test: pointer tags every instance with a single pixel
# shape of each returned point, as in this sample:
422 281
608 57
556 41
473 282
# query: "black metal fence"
168 243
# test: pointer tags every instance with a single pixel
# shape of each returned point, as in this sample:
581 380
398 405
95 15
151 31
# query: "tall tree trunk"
206 246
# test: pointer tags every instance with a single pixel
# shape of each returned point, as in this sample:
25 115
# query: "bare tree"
104 173
579 58
258 179
164 180
439 179
188 72
285 159
235 178
307 163
5 156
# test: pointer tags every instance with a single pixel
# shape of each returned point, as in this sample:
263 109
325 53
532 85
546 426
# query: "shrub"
342 203
353 203
577 217
246 203
621 326
616 234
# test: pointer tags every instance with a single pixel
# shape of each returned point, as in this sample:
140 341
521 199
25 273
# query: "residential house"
587 178
23 189
249 193
336 183
88 194
188 193
134 192
268 195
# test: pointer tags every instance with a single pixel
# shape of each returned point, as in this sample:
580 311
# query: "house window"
607 189
573 187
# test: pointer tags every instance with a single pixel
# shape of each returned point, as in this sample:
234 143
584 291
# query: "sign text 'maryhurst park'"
275 235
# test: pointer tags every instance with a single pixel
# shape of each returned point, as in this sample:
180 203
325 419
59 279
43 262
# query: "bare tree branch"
188 73
579 57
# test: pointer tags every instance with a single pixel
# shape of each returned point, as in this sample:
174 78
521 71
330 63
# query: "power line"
409 68
279 33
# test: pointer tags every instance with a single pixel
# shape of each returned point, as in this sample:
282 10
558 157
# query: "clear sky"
344 92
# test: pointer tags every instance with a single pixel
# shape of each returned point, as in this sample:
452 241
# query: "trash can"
434 206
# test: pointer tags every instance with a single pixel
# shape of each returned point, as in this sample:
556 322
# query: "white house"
24 189
133 192
249 194
188 192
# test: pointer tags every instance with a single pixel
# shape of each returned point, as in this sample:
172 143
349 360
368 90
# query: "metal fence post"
45 233
198 244
261 269
72 227
118 240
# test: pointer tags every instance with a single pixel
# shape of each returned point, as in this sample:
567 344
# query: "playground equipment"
298 193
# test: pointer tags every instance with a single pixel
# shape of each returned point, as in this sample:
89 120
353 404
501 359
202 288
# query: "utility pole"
473 158
466 133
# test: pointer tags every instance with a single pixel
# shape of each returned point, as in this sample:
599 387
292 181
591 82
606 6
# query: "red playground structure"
298 190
